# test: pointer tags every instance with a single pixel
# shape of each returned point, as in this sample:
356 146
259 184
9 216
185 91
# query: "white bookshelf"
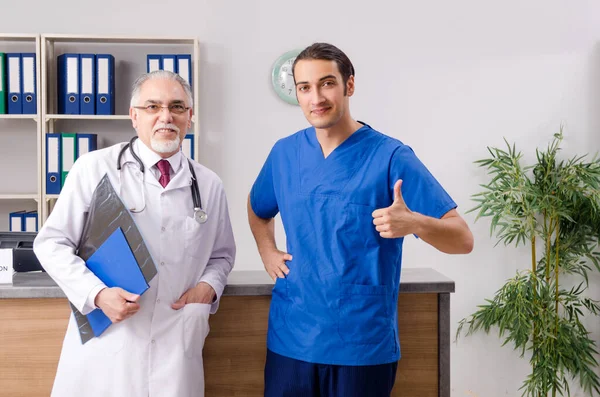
32 196
19 117
9 200
132 51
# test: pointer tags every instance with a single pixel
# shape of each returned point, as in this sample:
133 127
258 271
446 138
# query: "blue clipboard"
114 264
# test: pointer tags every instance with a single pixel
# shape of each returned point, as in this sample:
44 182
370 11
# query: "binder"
69 154
105 214
87 83
30 221
169 62
53 163
153 63
105 84
28 70
3 88
187 147
86 143
68 84
16 221
115 265
14 83
184 67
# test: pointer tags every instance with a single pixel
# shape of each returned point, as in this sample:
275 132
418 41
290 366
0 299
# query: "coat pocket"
364 315
195 328
111 341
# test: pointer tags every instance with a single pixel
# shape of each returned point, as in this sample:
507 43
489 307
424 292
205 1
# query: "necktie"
164 168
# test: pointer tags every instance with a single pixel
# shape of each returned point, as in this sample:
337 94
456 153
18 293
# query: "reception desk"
34 314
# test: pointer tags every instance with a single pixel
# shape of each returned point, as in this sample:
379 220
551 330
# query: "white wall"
447 78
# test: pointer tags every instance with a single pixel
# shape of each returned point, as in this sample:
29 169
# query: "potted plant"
554 207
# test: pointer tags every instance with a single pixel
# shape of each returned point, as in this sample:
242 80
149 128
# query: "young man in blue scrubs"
347 195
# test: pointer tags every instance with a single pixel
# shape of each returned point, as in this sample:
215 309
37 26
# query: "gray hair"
160 74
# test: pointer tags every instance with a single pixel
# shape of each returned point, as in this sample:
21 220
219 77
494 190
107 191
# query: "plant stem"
548 225
534 275
556 296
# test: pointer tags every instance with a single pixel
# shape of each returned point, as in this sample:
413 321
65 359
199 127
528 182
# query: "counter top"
240 283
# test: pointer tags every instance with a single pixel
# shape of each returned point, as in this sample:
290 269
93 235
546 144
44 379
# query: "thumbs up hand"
397 220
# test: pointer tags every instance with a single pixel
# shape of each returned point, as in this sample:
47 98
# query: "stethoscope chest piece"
200 215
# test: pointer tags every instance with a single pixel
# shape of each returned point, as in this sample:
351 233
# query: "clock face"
282 78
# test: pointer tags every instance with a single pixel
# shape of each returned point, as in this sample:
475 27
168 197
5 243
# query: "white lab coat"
158 351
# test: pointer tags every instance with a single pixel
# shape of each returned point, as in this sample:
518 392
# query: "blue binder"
86 143
184 67
16 221
53 161
169 62
14 81
114 264
68 84
187 146
30 221
153 63
105 84
28 72
87 83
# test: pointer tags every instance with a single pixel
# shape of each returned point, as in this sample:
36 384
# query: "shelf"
92 117
18 197
18 37
87 117
19 116
67 38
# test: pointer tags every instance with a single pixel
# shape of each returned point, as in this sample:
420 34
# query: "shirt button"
158 301
162 263
153 341
162 228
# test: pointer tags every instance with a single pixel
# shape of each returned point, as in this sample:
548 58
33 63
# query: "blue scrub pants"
287 377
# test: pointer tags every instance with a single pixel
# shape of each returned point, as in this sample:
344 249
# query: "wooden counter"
34 315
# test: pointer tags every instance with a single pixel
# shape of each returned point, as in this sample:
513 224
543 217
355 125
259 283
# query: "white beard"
161 146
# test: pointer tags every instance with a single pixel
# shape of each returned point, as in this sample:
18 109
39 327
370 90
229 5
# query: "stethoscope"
199 214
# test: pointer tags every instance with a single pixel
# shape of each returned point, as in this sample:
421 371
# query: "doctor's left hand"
201 293
397 220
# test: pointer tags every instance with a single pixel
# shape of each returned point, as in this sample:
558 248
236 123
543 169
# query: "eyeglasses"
175 108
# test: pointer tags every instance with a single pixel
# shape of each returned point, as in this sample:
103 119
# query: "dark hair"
327 52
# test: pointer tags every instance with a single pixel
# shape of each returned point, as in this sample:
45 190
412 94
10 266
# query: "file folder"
28 70
14 83
169 62
69 155
53 163
86 143
16 221
3 89
68 84
107 213
105 84
87 83
153 63
187 147
184 67
114 264
30 221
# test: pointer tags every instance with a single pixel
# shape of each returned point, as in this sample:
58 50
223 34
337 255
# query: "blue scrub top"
338 305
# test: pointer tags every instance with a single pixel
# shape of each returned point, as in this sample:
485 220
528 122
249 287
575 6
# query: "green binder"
69 153
3 89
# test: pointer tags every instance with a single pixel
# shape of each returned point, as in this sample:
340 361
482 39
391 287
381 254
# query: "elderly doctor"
154 346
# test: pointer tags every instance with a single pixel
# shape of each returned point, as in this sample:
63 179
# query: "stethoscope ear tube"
199 214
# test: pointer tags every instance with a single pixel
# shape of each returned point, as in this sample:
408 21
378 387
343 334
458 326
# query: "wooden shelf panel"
67 38
19 196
